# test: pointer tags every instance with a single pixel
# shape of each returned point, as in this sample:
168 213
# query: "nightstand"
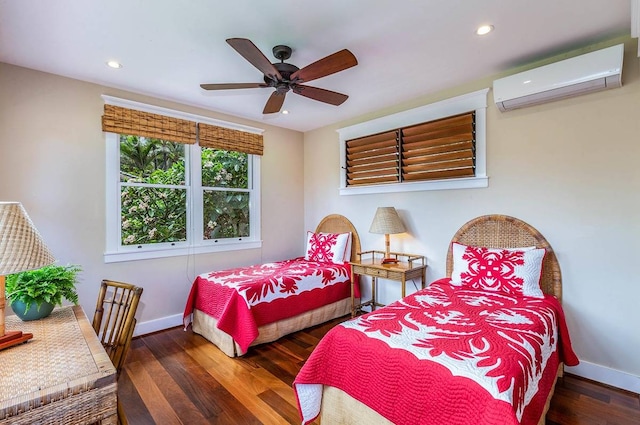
369 263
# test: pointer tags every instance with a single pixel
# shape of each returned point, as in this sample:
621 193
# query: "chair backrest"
114 319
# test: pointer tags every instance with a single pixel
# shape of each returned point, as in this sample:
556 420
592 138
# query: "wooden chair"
114 321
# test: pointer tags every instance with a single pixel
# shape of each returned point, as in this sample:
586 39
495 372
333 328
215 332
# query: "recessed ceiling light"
484 29
114 64
285 112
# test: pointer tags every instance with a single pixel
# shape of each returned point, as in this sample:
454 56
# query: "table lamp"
387 221
21 249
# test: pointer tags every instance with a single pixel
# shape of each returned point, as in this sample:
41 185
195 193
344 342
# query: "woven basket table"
61 376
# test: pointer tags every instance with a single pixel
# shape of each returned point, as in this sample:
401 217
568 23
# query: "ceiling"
405 49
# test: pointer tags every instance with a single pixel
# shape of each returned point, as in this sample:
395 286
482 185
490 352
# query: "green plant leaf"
49 284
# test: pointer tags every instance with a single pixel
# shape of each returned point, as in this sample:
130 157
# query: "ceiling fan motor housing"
285 69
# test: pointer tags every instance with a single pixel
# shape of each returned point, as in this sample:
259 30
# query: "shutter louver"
439 149
373 159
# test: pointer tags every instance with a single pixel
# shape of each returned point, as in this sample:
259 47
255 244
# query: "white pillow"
328 247
514 271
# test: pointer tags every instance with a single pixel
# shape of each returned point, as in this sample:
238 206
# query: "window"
153 191
225 194
437 146
172 190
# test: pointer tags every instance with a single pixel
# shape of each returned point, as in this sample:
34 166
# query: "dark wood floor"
177 377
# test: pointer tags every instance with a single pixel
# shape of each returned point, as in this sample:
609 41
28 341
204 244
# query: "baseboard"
605 375
156 325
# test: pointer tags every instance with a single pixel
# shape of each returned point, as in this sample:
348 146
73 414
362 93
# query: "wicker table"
369 263
61 376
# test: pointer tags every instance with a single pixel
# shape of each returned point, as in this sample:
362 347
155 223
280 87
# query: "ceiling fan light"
285 112
484 29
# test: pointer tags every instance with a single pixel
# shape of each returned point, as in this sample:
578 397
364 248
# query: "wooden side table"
369 263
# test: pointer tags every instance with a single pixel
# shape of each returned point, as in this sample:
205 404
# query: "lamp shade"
386 221
21 247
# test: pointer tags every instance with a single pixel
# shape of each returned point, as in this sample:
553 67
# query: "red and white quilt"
447 354
243 299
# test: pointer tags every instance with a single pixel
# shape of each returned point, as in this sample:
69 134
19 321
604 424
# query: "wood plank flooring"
177 377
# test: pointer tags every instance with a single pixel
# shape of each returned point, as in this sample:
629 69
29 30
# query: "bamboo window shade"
121 120
132 122
211 136
434 150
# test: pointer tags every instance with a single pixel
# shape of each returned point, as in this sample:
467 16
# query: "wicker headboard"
336 223
501 231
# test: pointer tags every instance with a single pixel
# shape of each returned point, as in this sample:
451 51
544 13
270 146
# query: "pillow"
514 271
328 247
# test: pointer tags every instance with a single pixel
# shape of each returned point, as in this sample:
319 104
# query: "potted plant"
33 294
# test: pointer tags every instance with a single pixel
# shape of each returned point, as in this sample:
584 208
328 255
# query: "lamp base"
12 338
390 261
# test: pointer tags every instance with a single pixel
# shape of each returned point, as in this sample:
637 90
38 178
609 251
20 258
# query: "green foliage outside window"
153 215
154 193
226 212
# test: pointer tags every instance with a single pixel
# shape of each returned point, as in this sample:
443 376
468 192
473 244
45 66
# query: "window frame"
475 101
116 252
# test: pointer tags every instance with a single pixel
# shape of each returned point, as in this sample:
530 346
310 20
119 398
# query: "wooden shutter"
439 149
137 123
373 159
211 136
433 150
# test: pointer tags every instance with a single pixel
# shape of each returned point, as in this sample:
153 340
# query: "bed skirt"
340 408
205 325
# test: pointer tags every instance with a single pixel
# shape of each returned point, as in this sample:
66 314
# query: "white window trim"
446 108
115 252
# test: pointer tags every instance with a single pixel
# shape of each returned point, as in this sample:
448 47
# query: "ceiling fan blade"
250 52
230 86
274 103
328 65
323 95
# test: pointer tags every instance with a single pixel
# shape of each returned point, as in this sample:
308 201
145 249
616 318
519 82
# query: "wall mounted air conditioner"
579 75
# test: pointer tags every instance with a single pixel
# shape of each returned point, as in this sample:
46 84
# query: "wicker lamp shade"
21 249
387 221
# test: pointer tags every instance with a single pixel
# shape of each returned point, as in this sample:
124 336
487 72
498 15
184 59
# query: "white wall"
568 168
52 159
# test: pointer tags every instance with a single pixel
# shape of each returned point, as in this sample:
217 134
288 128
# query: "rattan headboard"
336 223
501 231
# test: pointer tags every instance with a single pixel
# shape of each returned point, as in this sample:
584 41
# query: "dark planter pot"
34 313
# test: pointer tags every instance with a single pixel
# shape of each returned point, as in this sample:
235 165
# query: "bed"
456 352
238 308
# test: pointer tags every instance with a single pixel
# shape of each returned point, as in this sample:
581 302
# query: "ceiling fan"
284 76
